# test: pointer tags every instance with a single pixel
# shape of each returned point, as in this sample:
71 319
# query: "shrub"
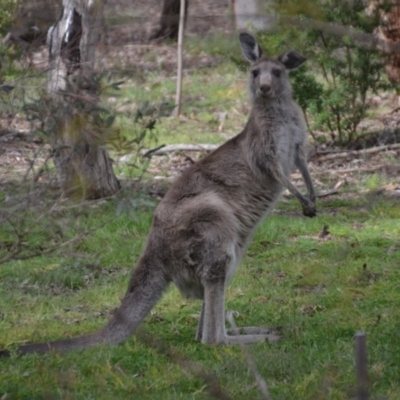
332 89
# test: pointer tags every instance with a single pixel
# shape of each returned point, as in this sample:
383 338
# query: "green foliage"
306 8
332 89
7 53
7 9
81 108
143 130
93 121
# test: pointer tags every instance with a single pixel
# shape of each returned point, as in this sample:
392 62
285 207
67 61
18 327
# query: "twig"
262 385
148 153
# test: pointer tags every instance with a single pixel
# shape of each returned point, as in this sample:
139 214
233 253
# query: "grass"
207 93
320 292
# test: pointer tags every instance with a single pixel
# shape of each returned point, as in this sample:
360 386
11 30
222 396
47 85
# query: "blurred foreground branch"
213 386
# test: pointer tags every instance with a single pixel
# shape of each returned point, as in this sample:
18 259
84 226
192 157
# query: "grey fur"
203 225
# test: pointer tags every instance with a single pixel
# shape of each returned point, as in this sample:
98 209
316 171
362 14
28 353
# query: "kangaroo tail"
145 290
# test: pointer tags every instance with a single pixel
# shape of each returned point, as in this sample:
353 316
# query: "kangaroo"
204 223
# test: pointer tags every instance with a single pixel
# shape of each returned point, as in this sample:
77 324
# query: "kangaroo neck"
264 119
268 112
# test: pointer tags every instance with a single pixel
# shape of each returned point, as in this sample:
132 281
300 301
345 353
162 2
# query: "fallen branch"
356 153
351 170
327 193
148 153
180 147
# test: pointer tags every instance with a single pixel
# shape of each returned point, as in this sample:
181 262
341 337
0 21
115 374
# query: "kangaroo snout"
264 89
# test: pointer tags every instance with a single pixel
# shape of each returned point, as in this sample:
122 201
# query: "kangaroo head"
268 75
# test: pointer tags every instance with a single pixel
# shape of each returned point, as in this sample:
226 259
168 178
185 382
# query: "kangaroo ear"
291 60
250 48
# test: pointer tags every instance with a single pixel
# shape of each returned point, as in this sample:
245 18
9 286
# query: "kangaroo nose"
265 89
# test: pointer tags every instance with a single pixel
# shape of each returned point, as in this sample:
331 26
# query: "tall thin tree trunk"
81 158
180 59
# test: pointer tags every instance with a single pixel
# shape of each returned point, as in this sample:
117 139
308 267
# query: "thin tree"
180 59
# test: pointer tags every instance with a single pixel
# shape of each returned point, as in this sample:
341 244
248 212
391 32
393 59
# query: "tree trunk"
169 21
80 156
390 30
253 14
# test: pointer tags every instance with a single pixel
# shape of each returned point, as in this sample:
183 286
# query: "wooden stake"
361 365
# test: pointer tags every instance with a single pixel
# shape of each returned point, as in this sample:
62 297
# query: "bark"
178 96
390 30
80 156
256 14
169 20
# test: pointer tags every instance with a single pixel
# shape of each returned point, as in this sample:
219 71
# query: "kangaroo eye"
255 73
276 72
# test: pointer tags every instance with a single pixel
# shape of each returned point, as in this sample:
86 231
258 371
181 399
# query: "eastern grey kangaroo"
203 225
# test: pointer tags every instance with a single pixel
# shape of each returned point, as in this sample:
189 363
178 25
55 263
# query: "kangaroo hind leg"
213 329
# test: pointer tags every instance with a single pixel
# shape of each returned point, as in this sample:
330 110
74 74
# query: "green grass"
207 93
320 292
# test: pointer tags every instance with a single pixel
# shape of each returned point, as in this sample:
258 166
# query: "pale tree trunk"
178 96
253 14
80 156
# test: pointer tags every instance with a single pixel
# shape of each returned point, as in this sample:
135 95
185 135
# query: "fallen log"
357 153
180 147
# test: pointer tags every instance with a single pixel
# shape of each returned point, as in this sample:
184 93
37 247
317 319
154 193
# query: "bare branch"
356 153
